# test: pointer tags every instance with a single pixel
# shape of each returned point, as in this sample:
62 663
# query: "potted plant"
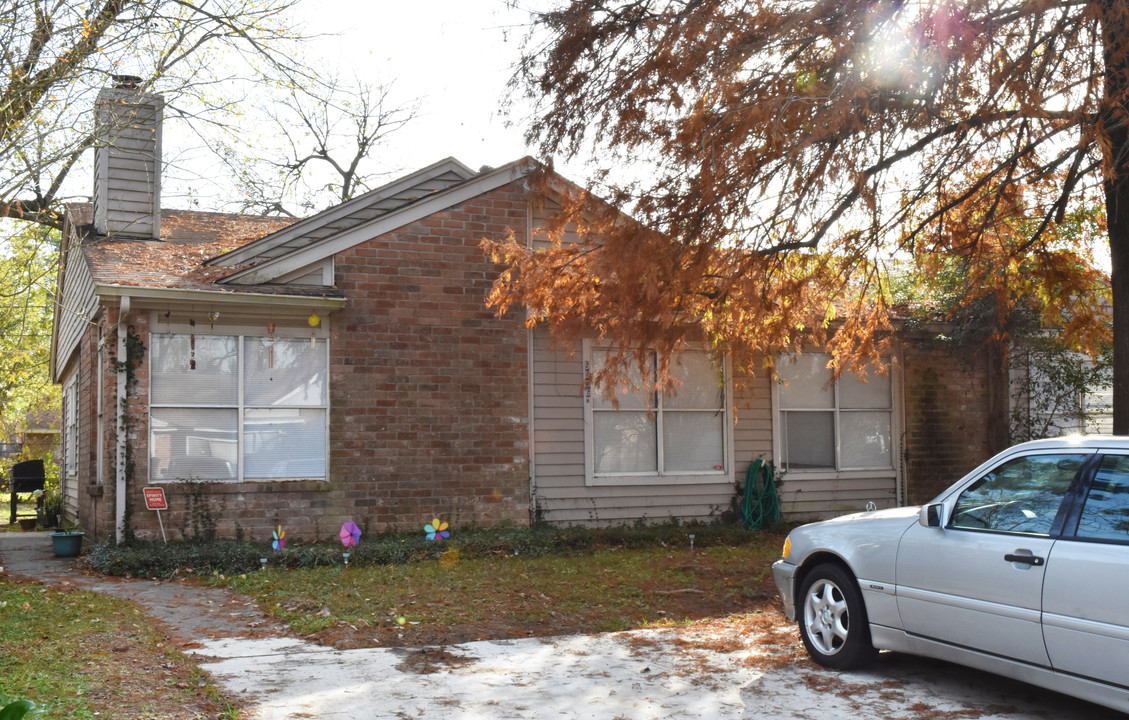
67 541
27 524
51 507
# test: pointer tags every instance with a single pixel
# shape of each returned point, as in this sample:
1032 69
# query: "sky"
454 55
453 58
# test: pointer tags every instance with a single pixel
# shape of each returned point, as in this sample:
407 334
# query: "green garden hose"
762 506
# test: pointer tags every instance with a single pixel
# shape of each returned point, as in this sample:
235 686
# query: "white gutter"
214 297
122 408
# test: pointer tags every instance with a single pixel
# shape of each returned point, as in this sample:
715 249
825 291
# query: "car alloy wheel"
833 624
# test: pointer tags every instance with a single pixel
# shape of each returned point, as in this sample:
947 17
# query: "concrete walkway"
710 671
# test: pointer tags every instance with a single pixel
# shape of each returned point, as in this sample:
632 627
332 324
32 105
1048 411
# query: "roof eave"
181 297
279 237
271 270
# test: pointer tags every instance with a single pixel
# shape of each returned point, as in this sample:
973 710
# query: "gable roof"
372 204
188 238
378 211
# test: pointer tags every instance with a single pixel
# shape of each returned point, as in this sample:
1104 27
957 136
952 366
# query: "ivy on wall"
134 354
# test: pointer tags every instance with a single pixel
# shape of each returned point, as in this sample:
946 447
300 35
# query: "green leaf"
17 710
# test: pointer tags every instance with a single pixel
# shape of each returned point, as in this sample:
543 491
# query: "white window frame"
838 472
240 407
659 477
70 426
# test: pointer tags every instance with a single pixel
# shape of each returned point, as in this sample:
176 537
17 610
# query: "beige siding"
127 194
76 308
320 274
752 427
803 499
561 495
543 212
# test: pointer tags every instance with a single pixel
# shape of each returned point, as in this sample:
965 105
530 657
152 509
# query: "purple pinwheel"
350 534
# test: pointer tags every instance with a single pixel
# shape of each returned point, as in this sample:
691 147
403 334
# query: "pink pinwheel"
437 530
350 534
279 539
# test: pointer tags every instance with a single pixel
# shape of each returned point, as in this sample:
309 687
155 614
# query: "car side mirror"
930 515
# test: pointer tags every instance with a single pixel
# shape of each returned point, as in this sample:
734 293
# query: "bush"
228 557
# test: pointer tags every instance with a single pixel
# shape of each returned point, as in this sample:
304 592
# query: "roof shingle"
176 261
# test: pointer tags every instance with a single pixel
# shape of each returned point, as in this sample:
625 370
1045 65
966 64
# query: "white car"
1020 569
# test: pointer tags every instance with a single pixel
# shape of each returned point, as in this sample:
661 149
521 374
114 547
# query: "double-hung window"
231 407
826 425
645 436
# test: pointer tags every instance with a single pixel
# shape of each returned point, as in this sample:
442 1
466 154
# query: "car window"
1019 496
1105 515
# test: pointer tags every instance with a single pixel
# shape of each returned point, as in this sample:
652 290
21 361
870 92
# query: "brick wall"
948 421
428 395
429 387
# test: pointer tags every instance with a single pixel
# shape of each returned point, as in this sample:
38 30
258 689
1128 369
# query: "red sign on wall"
155 498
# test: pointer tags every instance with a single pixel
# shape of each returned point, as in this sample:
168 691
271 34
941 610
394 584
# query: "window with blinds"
225 407
646 436
845 424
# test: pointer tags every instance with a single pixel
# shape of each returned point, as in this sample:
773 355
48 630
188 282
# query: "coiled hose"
762 506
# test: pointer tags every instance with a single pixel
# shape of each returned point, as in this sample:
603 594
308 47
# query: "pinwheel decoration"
279 541
350 534
437 530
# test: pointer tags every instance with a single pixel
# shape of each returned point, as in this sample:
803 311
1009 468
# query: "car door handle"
1028 559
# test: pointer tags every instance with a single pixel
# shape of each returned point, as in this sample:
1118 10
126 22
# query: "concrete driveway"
639 675
717 670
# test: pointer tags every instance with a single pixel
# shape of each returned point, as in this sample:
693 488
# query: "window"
1106 513
70 426
1058 392
653 437
1020 496
226 407
824 425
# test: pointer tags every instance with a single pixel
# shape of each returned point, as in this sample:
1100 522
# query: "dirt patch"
425 661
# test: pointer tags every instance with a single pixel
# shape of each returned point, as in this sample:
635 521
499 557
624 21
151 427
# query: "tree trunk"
1119 277
1115 38
998 396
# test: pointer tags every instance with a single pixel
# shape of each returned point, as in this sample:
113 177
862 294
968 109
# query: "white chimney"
127 161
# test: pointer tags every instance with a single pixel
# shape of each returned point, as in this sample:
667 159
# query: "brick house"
346 367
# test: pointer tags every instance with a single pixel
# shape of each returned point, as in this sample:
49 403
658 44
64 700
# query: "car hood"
875 515
866 541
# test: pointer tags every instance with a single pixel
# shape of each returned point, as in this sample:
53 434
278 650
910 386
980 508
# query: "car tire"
833 623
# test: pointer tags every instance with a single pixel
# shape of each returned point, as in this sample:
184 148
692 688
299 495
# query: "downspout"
530 379
120 488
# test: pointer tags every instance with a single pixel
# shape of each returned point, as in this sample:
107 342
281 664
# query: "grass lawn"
453 599
82 655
